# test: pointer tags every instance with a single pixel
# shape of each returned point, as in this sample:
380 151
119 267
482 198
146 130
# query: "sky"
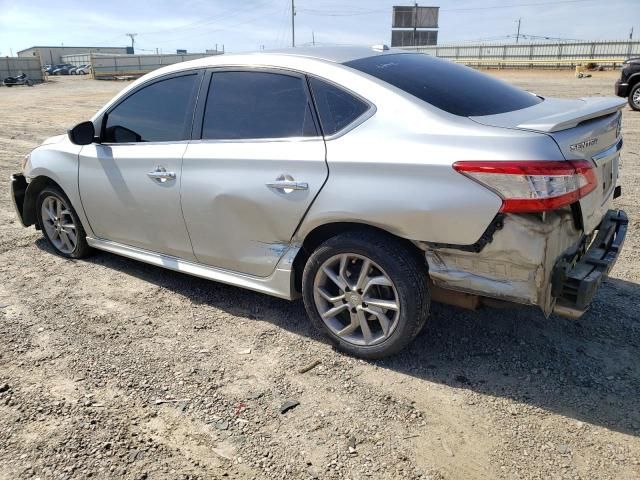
249 25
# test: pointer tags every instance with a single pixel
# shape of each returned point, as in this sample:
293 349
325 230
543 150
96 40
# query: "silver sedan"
369 181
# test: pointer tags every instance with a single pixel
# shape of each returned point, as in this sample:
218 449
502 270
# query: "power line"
229 14
350 13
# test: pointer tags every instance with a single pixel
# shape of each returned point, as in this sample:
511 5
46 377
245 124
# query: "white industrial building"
52 55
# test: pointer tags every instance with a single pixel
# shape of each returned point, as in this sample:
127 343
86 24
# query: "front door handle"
161 175
286 184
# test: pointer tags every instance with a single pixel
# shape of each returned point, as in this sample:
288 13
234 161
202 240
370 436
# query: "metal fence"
539 54
111 66
12 66
76 59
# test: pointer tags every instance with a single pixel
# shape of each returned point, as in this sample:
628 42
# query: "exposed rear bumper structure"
548 262
577 275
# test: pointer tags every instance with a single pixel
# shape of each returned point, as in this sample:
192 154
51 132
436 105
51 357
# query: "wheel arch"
36 185
633 80
321 233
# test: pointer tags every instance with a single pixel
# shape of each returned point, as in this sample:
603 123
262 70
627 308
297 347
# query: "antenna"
132 36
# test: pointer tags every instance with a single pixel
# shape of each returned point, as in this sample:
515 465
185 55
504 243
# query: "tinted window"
453 88
336 108
161 112
257 105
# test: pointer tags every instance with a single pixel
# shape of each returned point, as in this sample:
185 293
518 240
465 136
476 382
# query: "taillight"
532 186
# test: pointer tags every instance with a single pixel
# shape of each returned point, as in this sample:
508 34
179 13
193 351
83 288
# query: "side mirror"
82 134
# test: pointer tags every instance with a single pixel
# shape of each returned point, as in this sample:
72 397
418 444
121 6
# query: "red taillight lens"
532 186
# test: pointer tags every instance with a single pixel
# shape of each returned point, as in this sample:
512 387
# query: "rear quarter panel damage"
516 266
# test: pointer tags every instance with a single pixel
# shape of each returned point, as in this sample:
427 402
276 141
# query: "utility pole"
518 34
415 22
631 34
313 38
132 36
293 23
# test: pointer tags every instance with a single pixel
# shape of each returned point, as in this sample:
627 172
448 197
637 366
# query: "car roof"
337 54
282 57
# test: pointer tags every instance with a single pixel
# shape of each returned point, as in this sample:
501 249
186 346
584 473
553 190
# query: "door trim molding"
278 284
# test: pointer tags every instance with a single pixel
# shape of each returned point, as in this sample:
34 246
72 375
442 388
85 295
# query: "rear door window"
448 86
336 107
257 105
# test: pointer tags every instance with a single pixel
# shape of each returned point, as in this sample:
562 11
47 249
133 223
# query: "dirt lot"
88 349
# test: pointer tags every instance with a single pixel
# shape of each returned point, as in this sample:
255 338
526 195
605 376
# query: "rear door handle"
161 175
289 185
286 184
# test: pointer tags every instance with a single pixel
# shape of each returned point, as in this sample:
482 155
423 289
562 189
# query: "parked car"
72 70
366 180
629 84
83 69
62 69
50 68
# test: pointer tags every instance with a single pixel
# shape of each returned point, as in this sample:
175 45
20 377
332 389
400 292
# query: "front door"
260 162
130 182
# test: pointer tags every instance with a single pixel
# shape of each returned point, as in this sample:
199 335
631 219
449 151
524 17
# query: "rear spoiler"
555 114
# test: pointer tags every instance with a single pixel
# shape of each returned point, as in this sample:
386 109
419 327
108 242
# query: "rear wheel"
634 97
367 292
60 224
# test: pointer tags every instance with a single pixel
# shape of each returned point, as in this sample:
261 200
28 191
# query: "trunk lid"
583 129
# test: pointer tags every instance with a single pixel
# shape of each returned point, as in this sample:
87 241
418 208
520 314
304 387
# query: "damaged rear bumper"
578 274
543 261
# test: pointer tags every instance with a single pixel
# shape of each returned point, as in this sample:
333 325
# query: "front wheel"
367 292
60 224
634 97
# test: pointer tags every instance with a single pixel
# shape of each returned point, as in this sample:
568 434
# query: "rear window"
450 87
337 108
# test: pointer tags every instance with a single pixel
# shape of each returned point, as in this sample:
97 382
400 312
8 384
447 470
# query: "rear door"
252 175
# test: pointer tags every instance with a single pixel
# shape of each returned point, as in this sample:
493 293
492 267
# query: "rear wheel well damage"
31 195
322 233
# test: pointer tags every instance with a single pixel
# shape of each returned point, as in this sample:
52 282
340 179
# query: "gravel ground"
110 368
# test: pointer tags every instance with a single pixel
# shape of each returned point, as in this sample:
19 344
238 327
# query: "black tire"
405 267
635 91
82 248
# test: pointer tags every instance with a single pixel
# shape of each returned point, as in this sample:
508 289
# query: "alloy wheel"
356 299
58 224
636 98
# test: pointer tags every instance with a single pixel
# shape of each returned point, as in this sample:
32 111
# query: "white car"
365 180
83 69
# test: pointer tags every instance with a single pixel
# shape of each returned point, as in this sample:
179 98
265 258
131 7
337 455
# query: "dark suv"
629 83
